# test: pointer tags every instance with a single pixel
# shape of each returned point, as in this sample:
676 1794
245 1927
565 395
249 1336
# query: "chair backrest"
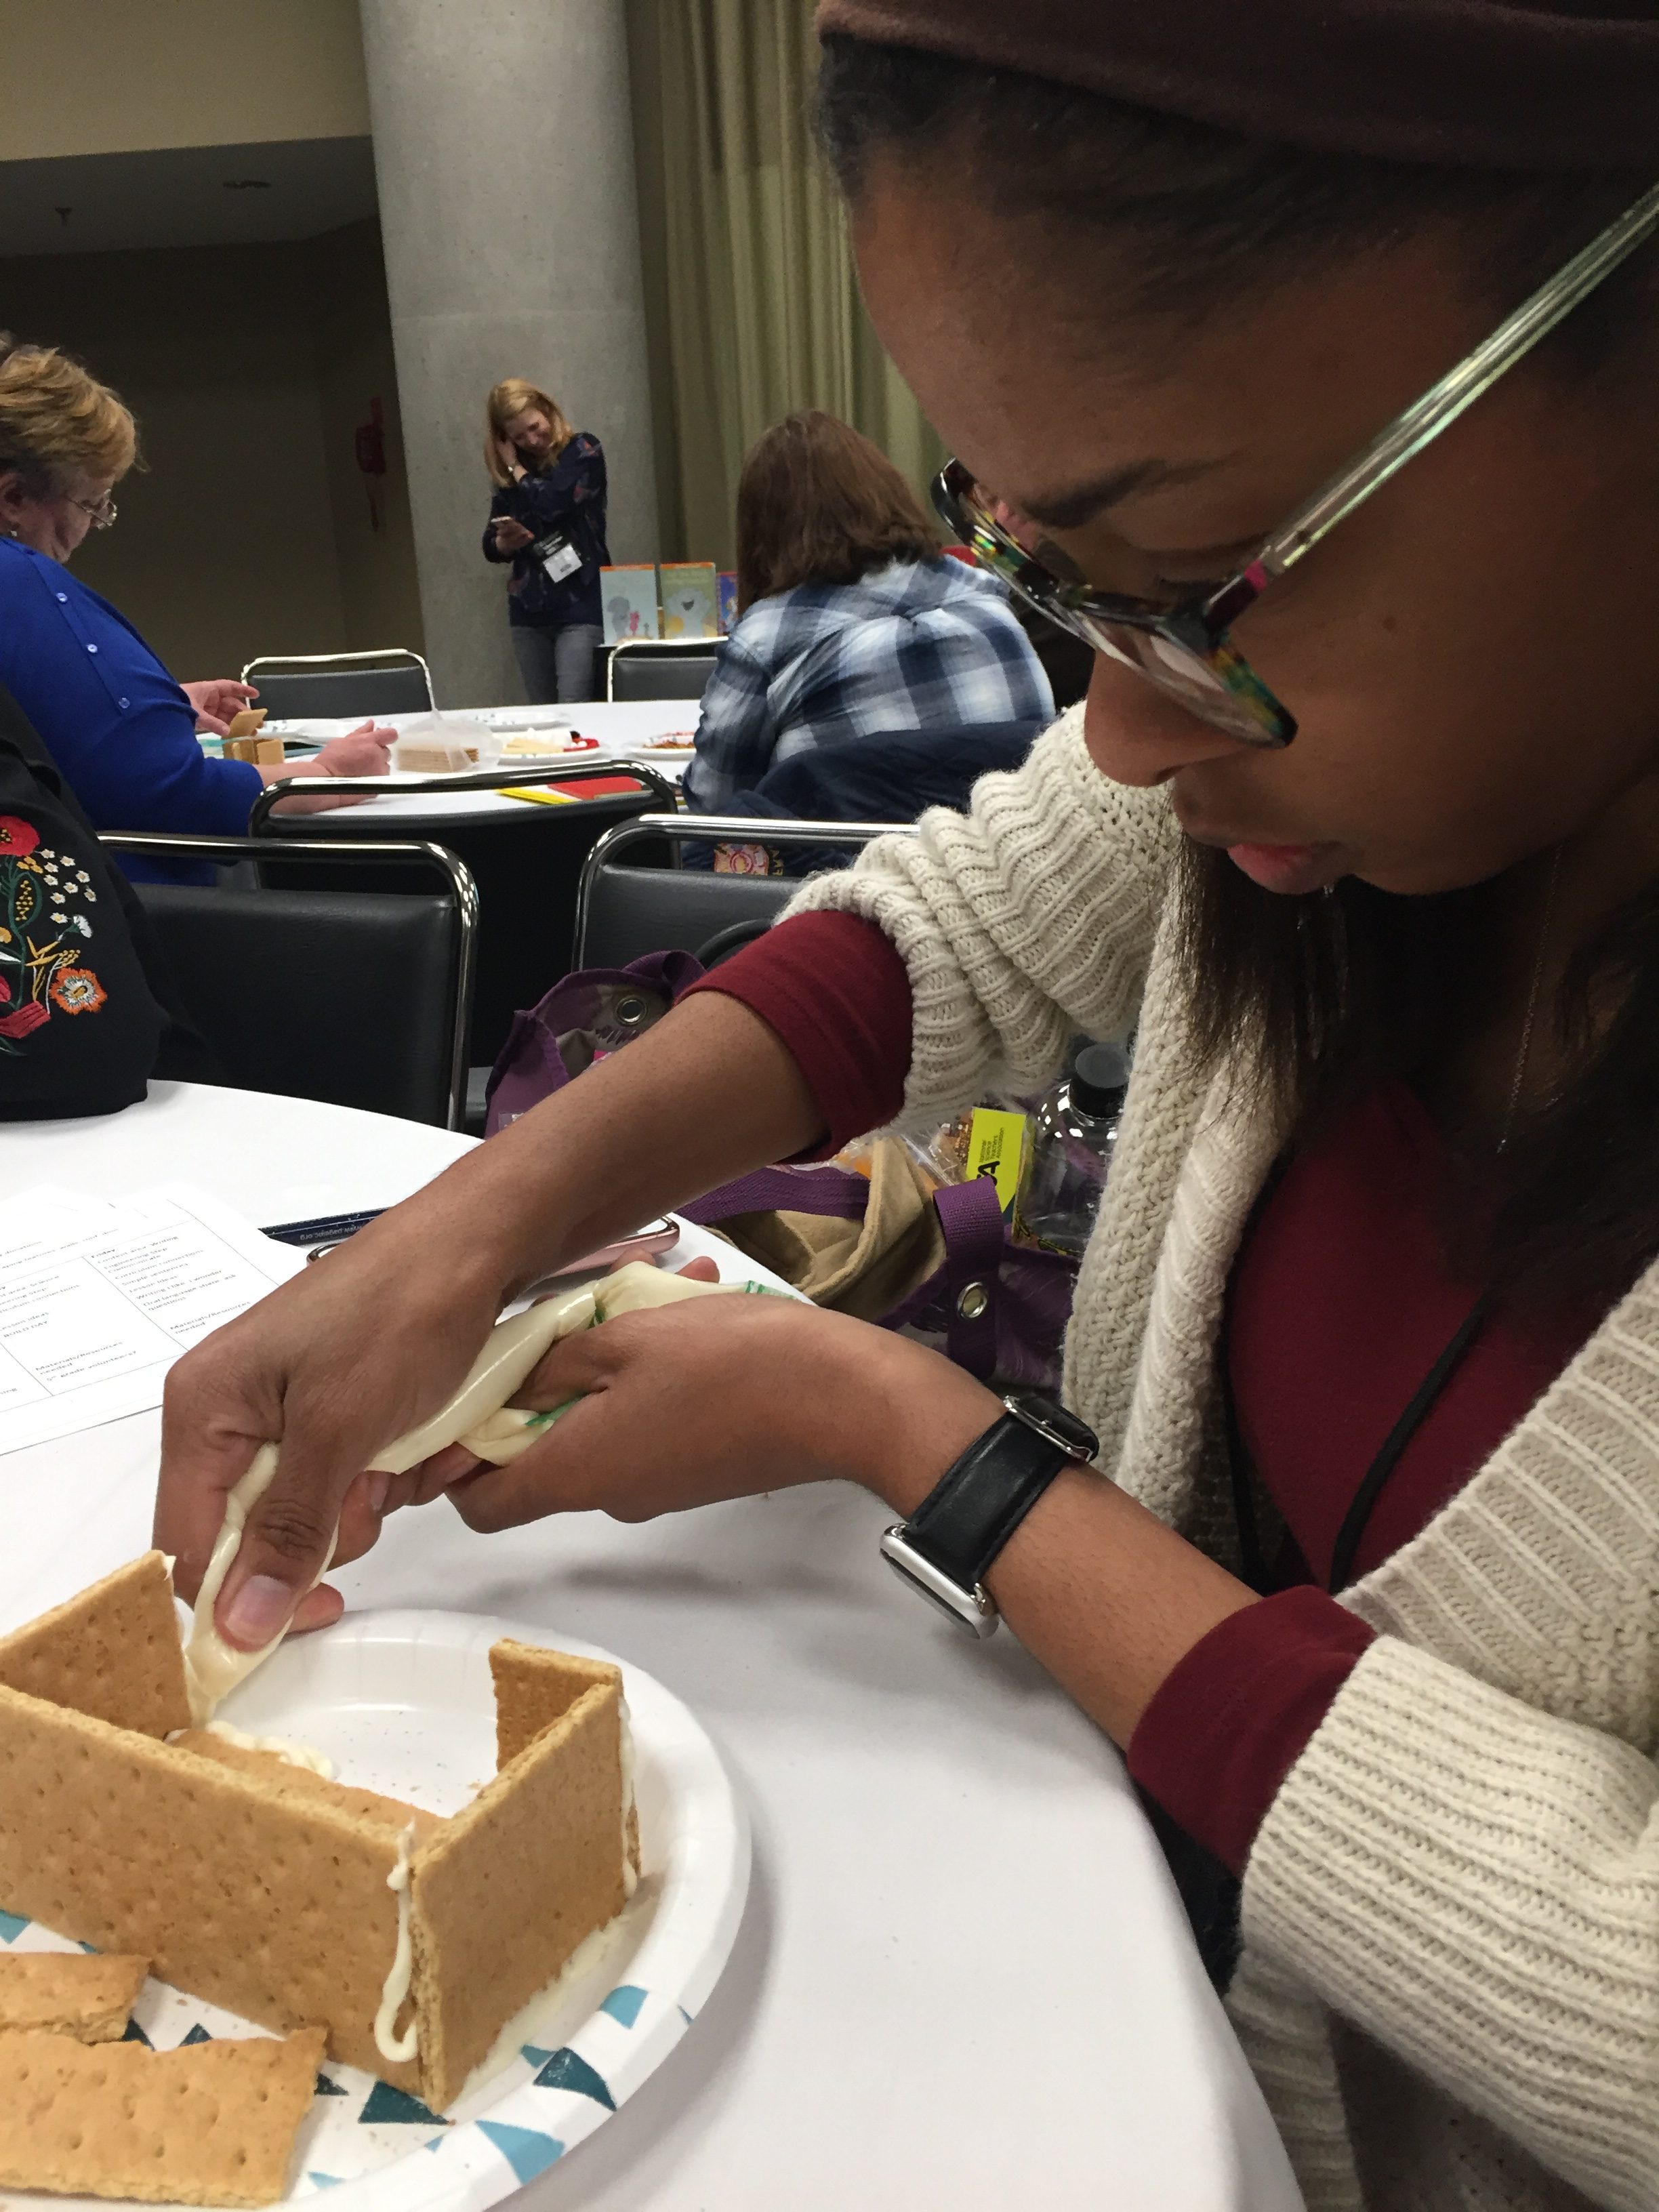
624 912
299 685
648 669
359 998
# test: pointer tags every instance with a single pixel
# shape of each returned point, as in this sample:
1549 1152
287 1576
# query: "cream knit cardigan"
1450 1984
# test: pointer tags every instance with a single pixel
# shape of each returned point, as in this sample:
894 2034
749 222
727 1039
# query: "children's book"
628 596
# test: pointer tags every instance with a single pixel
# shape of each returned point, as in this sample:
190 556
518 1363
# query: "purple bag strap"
827 1190
970 1216
975 1236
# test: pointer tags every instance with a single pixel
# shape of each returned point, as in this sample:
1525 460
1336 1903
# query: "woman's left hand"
362 751
215 703
721 1398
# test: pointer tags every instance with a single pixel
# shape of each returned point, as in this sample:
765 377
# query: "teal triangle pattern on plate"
327 2088
326 2180
568 2069
623 2004
135 2034
11 1927
93 1947
536 2057
385 2103
198 2034
526 2150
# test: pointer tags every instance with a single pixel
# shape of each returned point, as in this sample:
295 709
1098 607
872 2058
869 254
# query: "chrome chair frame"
157 845
391 655
677 648
477 779
714 829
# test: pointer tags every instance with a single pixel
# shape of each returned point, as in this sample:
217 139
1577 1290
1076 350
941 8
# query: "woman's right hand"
377 1334
356 1349
510 534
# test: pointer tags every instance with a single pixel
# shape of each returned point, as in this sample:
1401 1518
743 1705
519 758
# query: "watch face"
1051 1420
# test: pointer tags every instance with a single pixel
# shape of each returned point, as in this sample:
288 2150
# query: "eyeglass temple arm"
1409 434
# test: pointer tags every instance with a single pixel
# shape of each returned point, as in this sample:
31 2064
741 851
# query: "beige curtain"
753 302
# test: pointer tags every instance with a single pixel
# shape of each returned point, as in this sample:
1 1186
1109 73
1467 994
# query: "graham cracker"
534 1688
271 1902
67 1993
509 1887
245 722
209 2124
300 1782
114 1652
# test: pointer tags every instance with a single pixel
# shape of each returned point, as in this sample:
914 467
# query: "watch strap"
977 1503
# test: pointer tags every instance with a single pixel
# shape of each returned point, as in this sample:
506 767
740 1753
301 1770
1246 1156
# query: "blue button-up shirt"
120 730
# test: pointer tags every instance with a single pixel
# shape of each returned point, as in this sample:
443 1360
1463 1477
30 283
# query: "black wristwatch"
976 1506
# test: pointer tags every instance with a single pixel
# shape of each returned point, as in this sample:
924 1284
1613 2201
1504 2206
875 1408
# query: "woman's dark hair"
818 504
1314 999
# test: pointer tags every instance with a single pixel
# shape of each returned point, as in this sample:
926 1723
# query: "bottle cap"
1098 1076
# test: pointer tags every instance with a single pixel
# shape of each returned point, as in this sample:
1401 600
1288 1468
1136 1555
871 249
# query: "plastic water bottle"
1069 1153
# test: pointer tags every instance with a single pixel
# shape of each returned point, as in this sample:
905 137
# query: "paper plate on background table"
402 1703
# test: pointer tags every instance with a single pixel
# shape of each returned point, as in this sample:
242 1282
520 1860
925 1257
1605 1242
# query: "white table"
962 1979
621 725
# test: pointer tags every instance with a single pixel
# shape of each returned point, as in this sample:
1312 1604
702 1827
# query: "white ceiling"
185 196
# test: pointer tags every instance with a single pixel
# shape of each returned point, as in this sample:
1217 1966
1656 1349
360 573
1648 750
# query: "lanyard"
1371 1483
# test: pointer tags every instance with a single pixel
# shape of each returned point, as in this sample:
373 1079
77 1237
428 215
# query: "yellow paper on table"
540 798
996 1146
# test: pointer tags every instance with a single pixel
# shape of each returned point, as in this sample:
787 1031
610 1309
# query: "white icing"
477 1416
530 2023
630 1872
280 1746
399 2049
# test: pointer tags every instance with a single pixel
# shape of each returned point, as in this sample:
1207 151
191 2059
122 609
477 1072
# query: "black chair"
646 668
292 686
623 912
526 860
357 997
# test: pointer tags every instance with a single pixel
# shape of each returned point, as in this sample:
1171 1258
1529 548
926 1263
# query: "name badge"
557 556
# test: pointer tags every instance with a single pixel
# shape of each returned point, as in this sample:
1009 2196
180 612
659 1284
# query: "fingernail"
378 1486
259 1611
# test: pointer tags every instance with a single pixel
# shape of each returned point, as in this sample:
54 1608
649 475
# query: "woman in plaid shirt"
851 623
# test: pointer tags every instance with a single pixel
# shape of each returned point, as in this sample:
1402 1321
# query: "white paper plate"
402 1703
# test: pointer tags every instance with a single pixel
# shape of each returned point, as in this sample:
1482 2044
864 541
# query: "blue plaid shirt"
914 646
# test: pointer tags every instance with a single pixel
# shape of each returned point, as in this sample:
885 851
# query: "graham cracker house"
293 1899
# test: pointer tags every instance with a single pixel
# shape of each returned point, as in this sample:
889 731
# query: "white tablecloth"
623 726
962 1979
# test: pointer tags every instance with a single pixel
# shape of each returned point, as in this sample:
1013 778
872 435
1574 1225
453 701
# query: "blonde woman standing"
547 518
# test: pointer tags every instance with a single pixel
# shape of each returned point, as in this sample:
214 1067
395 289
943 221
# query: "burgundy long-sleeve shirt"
1339 1304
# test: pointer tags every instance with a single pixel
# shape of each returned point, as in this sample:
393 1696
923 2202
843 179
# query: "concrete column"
503 146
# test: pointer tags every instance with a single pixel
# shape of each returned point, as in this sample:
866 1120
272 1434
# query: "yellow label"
996 1143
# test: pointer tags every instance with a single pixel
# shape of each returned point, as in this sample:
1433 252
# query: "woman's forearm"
707 1094
1096 1588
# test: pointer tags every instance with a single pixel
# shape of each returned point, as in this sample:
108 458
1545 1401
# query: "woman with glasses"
123 732
1305 360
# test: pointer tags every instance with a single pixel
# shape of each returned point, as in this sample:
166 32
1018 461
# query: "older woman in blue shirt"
120 730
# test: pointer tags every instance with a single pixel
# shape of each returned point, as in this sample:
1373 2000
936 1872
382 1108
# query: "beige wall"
102 76
248 367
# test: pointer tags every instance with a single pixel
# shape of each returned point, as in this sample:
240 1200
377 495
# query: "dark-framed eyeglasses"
102 511
1185 649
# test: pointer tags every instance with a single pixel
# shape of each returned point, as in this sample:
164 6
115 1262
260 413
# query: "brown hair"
818 504
56 422
508 398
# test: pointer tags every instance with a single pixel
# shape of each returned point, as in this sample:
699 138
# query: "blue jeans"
556 665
